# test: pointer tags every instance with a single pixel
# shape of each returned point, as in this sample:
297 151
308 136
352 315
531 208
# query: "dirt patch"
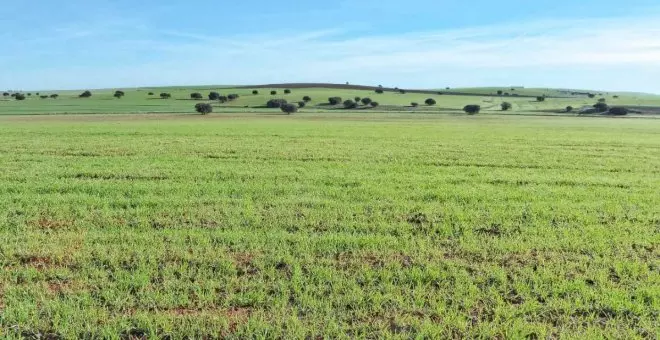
46 223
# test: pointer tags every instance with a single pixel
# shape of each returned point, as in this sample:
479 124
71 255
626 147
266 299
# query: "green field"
337 224
139 101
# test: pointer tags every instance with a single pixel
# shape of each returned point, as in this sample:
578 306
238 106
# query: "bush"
85 94
165 95
591 95
5 94
413 104
618 111
232 96
29 94
223 99
272 93
472 109
307 99
615 97
19 96
569 109
289 108
301 104
374 104
506 94
349 104
204 108
499 92
357 100
430 102
540 99
43 97
287 91
118 94
196 95
602 100
255 92
506 106
402 91
214 95
276 103
334 100
601 107
366 101
379 91
54 96
151 93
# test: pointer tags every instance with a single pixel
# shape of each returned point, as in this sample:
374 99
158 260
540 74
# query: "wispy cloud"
580 50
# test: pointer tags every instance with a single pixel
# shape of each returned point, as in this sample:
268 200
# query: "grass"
337 225
138 101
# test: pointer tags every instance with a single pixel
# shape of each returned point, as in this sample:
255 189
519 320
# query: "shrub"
307 99
37 93
223 99
233 96
374 104
447 88
165 95
569 109
499 92
43 97
301 104
29 94
366 101
602 100
591 95
414 104
506 94
276 103
5 94
618 111
601 107
615 97
357 100
118 94
19 96
506 106
540 99
151 93
54 96
272 93
85 94
349 104
196 95
402 91
472 109
379 91
214 95
334 100
289 108
287 91
13 95
204 108
255 92
430 102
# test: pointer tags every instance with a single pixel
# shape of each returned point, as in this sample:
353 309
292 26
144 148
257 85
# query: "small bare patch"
46 223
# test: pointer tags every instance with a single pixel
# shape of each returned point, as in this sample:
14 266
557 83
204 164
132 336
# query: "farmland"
338 224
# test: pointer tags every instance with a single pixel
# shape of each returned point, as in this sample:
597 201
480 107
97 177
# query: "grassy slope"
137 101
291 227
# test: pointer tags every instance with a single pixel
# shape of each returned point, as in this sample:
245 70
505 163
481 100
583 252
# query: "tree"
29 94
19 96
232 96
307 99
255 92
289 108
430 102
569 109
601 107
402 91
591 95
618 111
54 95
196 95
366 101
349 104
499 92
472 109
5 94
506 106
301 104
287 91
272 93
151 93
37 93
413 104
85 94
374 104
118 94
223 99
214 95
165 95
540 99
602 100
43 97
276 103
357 100
204 108
334 100
379 91
615 97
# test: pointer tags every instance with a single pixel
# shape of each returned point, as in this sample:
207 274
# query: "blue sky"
606 44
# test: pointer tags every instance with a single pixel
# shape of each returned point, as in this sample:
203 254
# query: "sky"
587 44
